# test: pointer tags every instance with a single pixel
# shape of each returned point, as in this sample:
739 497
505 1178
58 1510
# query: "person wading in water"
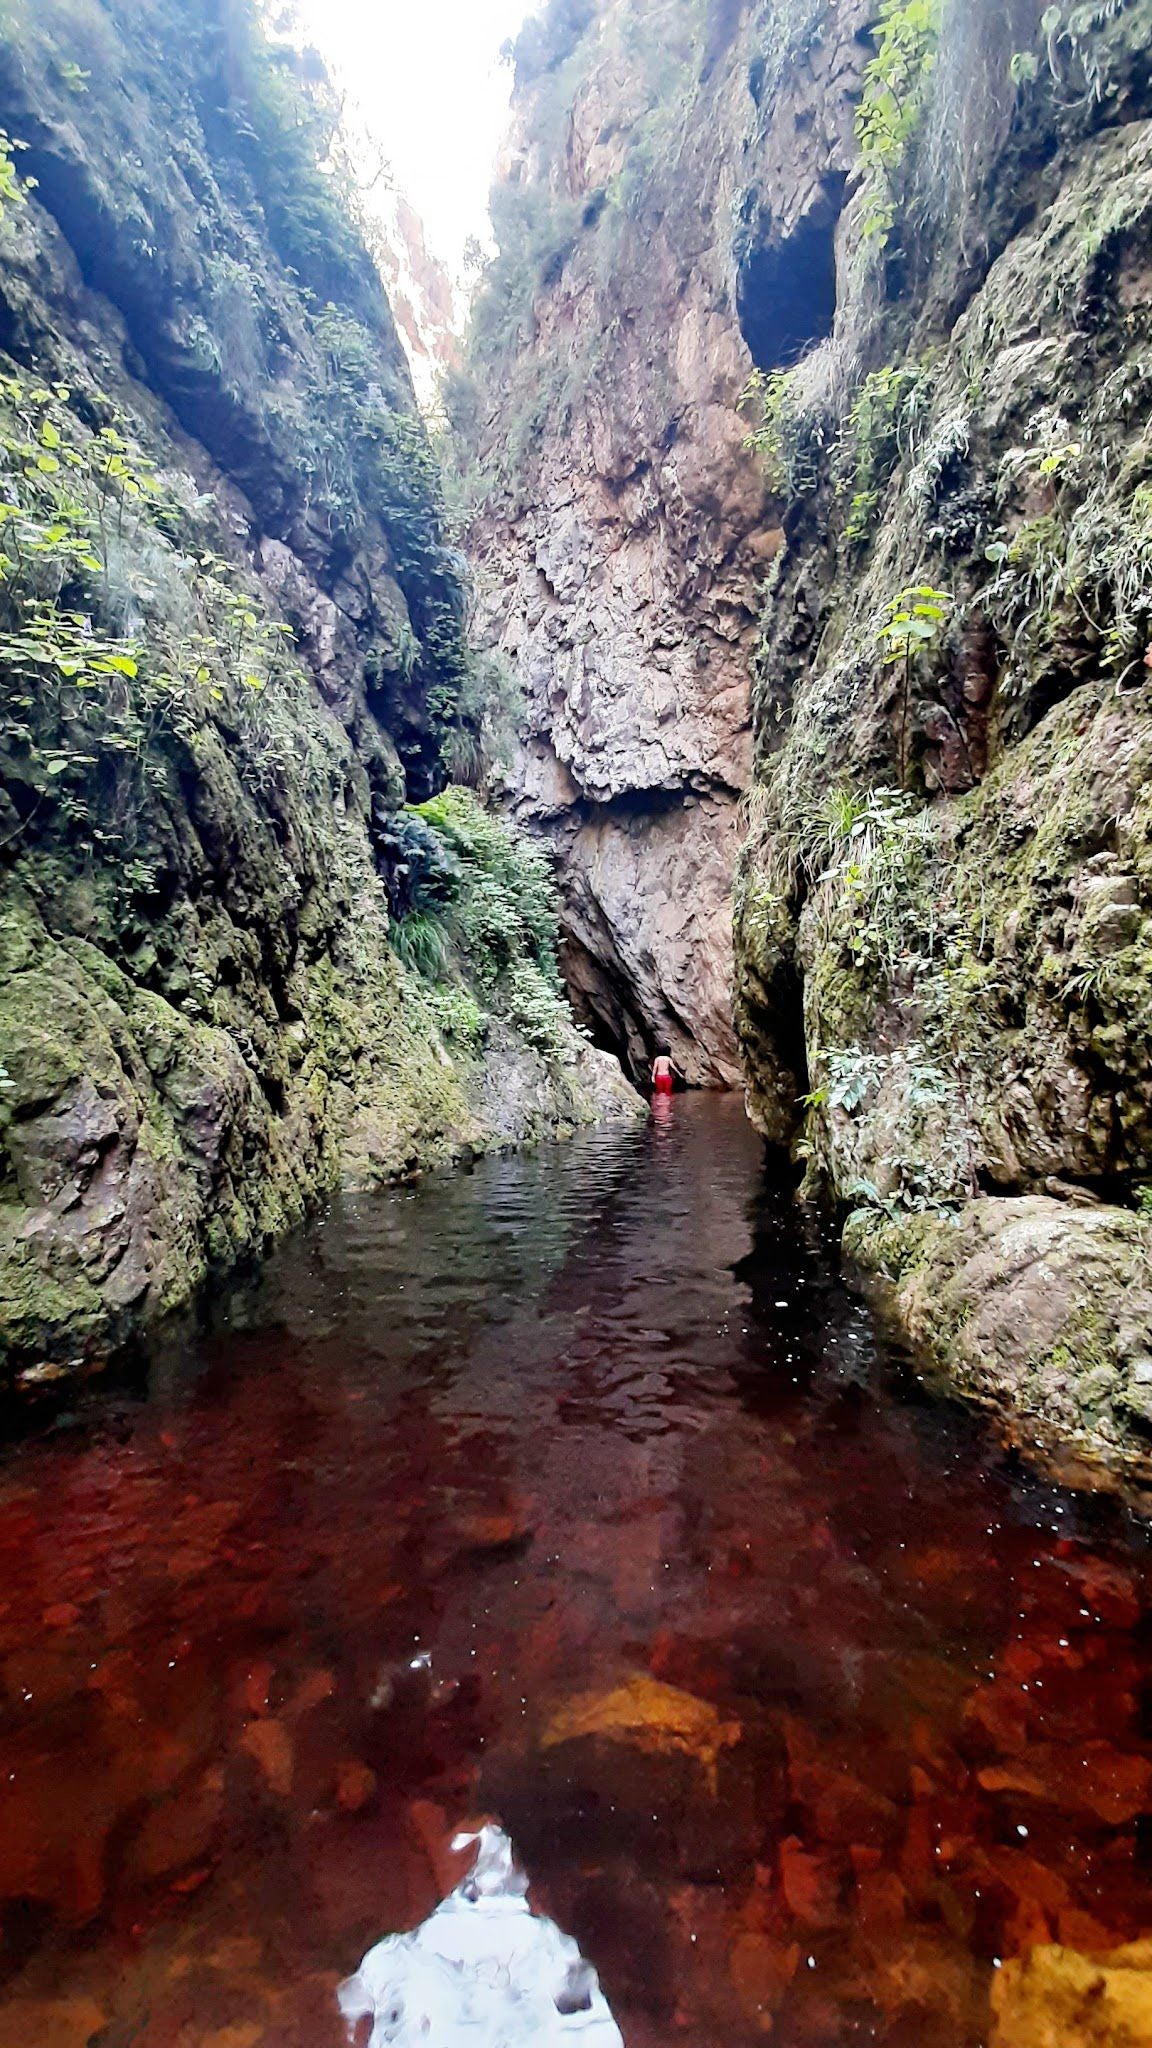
663 1073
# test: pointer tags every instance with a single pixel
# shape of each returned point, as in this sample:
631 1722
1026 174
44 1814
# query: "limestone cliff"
921 227
233 964
622 528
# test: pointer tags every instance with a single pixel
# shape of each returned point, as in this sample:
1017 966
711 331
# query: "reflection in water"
481 1971
571 1491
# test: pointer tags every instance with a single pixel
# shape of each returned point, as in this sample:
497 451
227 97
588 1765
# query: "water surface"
574 1491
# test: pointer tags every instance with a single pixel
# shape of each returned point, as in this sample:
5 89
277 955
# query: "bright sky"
429 82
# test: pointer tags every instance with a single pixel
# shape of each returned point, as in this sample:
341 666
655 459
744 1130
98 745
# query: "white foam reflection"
483 1971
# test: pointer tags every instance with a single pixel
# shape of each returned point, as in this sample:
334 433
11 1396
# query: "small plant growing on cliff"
113 640
783 435
13 191
914 622
421 942
852 1076
893 102
1072 56
929 1169
872 851
881 432
497 920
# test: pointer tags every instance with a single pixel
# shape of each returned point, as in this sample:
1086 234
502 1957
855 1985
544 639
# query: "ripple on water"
573 1491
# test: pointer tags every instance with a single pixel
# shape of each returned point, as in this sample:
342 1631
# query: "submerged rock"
645 1715
1057 1998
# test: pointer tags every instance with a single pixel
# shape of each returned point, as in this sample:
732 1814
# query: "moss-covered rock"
946 899
1038 1310
231 642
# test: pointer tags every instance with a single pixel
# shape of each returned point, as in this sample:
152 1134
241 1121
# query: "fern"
421 942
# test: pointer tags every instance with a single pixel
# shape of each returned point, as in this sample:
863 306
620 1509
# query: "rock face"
232 643
1040 1311
625 530
945 907
927 234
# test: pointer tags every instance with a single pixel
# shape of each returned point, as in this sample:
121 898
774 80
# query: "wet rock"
1036 1309
811 1883
491 1532
362 1872
1058 1998
269 1743
843 1808
645 1715
881 1900
51 2023
1097 1781
62 1615
930 1996
761 1970
180 1831
355 1786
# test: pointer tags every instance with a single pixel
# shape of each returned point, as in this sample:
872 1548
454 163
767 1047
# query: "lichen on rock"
232 641
943 907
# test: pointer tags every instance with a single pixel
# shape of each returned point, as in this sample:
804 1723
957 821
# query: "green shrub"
12 188
881 432
500 923
785 435
458 1016
487 714
124 643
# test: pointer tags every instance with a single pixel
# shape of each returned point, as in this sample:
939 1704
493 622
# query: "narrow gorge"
811 514
576 1024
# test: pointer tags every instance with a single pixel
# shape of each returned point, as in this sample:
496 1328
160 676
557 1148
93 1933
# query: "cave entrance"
786 291
600 999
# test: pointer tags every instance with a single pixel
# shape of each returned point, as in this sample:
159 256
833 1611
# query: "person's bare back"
663 1074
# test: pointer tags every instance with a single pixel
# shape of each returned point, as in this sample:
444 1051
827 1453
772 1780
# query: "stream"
573 1491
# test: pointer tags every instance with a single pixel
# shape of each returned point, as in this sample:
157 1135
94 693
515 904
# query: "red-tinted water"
568 1424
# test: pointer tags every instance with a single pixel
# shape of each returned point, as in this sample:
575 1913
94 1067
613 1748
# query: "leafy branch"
893 103
914 621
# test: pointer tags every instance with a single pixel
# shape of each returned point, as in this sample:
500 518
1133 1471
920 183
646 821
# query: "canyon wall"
922 229
234 968
622 529
944 922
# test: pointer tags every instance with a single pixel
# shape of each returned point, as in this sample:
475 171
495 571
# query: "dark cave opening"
605 1037
601 1001
786 292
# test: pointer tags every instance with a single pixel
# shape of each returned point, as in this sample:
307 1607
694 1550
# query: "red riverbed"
592 1422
